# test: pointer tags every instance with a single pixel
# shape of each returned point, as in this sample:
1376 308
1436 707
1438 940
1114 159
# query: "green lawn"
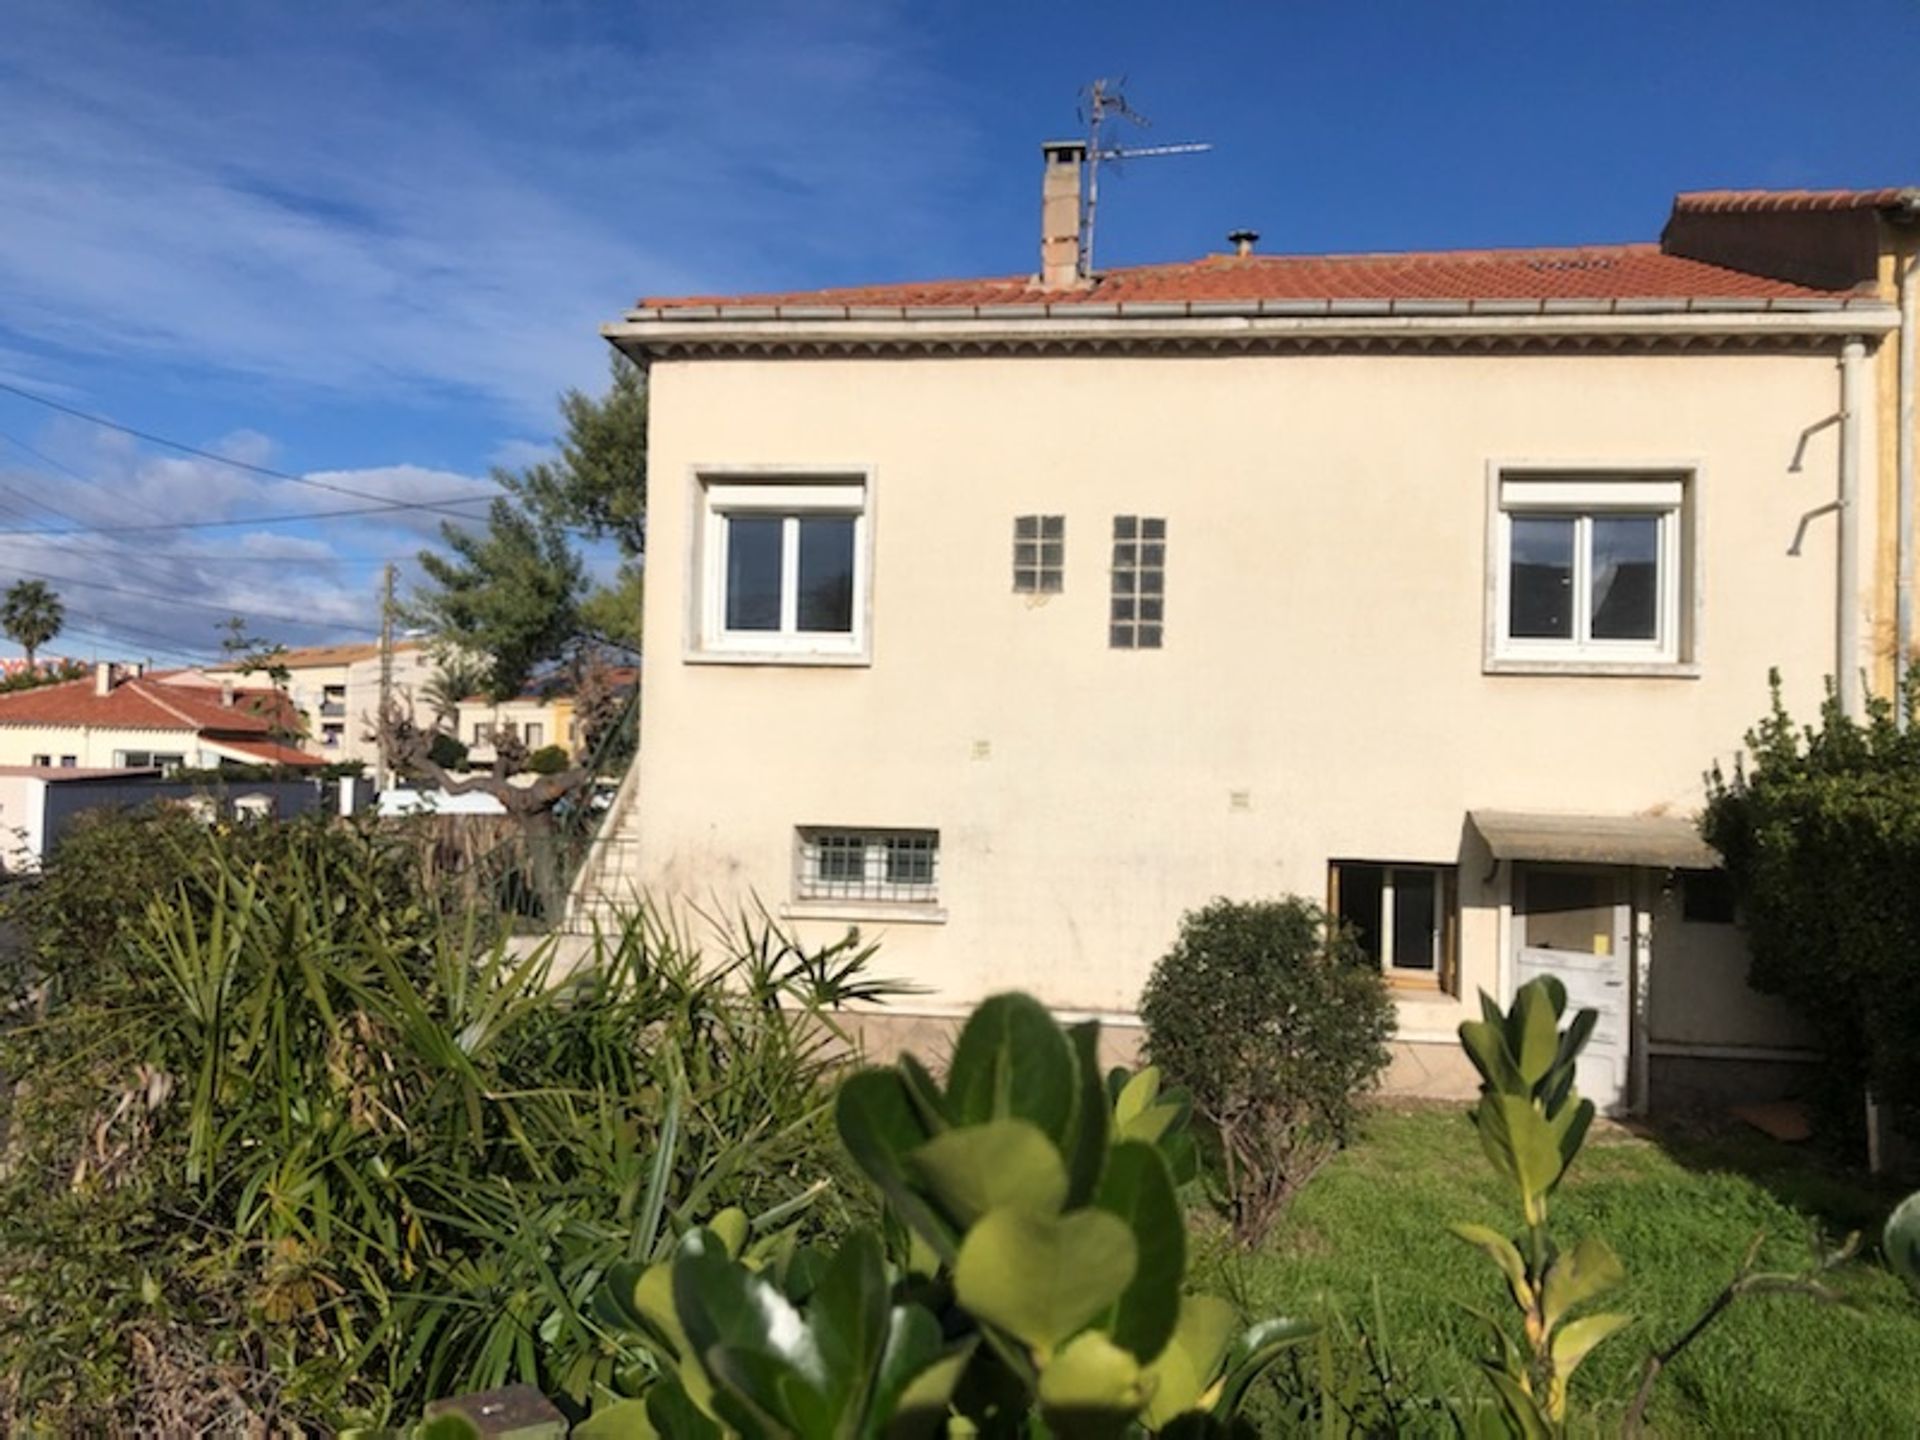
1680 1211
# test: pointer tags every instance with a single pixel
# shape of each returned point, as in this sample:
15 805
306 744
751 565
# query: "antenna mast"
1105 103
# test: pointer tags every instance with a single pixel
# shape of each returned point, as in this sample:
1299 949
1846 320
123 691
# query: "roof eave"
645 332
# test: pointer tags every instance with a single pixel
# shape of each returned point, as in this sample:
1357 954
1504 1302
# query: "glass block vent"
1039 554
1137 619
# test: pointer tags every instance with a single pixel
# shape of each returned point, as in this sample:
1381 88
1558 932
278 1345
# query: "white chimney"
103 677
226 692
1060 215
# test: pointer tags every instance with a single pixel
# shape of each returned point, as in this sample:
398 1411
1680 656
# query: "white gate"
1576 925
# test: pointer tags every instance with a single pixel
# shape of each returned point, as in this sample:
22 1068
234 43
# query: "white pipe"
1903 543
1846 658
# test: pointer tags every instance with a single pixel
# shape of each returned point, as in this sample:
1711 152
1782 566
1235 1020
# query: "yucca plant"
354 1134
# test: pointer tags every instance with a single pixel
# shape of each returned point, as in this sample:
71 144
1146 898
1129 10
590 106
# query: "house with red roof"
121 717
1009 619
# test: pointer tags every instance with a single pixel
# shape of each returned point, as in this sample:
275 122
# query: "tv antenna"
1105 102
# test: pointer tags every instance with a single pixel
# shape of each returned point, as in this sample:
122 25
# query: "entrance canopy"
1663 842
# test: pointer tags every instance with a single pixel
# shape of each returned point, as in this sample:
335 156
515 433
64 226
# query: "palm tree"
32 614
458 678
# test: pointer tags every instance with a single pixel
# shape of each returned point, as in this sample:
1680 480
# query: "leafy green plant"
1034 1283
296 1121
1901 1241
549 760
1276 1023
1532 1121
1820 833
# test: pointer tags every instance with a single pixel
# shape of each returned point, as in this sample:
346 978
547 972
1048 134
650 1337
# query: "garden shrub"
449 752
549 760
1820 834
1276 1023
297 1145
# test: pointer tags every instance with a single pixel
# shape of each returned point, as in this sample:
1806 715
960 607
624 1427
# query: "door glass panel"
826 573
1541 579
1414 935
1569 910
1626 577
753 572
1360 890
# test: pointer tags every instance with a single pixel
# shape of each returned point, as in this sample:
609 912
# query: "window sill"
777 657
871 912
1633 669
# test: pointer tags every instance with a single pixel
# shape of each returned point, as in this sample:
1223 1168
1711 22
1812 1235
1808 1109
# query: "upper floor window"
1039 554
1137 618
1590 569
784 569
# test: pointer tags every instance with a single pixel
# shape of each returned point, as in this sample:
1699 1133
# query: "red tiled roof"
1587 272
267 752
145 704
1773 202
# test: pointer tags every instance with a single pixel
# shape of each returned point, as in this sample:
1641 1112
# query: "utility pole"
380 776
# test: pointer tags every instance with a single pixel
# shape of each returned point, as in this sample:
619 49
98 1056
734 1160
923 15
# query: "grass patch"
1679 1210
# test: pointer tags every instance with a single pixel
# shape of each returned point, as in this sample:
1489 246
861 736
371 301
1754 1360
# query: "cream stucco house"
1007 620
336 689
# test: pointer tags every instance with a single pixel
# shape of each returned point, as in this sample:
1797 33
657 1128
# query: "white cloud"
164 591
453 204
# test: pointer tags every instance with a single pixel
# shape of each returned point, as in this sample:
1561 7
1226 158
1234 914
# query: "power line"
70 472
242 521
220 557
197 604
109 629
183 448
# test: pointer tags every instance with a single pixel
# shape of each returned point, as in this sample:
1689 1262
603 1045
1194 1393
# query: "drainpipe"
1903 541
1847 607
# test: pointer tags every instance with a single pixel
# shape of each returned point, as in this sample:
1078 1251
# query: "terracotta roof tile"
1765 202
267 752
1587 272
144 704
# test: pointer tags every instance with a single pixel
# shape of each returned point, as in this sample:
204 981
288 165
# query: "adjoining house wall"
1321 694
22 823
96 747
1834 250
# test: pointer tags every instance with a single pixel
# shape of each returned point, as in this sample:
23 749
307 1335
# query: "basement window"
1137 617
1403 917
1039 554
867 865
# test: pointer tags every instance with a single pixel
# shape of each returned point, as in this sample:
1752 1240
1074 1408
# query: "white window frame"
1670 493
721 493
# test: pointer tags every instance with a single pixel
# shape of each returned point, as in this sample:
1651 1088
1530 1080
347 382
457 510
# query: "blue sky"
372 243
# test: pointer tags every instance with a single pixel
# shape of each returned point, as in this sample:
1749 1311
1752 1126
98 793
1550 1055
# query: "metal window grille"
1138 616
1039 554
874 865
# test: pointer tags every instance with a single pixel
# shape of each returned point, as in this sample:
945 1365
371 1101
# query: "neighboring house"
336 690
543 714
1008 620
536 719
121 718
